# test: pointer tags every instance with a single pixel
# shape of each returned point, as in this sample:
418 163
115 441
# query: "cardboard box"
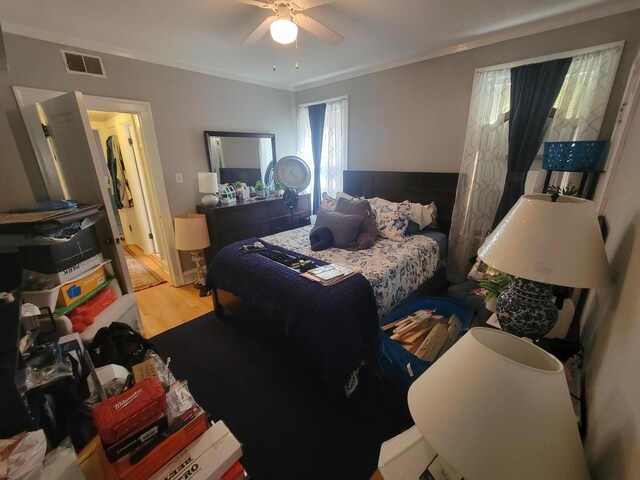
209 457
164 452
72 291
68 273
59 257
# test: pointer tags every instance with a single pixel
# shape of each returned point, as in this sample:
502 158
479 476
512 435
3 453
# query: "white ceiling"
206 35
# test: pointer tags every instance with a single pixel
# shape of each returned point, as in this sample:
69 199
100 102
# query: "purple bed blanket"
332 329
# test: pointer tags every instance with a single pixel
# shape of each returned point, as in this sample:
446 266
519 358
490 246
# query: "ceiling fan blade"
259 32
306 4
257 3
316 28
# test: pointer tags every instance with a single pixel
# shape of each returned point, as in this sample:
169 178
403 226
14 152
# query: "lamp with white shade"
497 407
208 184
192 235
544 240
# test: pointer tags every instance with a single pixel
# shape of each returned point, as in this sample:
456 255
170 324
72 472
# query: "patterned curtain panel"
334 145
483 170
334 153
581 104
304 142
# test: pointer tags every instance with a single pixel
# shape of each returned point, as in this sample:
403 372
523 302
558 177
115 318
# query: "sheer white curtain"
304 142
334 145
484 166
581 104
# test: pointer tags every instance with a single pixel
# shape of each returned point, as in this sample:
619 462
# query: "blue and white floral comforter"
394 269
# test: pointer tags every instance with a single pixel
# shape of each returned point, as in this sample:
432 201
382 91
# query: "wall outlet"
179 178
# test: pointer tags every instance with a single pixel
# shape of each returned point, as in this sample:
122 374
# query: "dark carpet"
289 427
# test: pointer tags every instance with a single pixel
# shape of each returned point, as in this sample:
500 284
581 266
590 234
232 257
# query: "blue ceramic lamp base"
526 309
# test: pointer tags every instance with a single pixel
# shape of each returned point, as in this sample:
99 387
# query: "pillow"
328 203
321 238
369 233
392 220
423 215
345 228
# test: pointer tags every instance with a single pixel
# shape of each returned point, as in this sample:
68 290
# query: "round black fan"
290 198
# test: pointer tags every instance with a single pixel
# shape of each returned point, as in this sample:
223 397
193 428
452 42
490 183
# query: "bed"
333 330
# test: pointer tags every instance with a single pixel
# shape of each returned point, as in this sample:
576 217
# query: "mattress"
394 269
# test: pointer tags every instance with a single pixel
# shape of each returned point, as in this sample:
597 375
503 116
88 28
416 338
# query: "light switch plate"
179 178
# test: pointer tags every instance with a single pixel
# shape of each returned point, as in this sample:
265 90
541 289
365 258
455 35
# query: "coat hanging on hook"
119 183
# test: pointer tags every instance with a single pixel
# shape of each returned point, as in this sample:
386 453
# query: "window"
334 144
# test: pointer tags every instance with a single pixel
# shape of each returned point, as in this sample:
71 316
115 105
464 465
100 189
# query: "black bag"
120 344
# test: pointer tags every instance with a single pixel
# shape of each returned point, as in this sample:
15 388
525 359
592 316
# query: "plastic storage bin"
400 365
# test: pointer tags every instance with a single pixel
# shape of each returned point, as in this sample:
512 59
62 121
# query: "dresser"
258 218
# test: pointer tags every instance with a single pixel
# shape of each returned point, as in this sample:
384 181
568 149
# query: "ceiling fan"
286 20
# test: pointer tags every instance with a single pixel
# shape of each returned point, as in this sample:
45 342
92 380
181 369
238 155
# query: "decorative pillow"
328 203
369 233
423 215
321 238
392 220
345 228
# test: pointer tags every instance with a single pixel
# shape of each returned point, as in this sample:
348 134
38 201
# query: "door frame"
27 96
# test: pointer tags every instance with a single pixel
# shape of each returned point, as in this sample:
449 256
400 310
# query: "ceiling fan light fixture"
284 31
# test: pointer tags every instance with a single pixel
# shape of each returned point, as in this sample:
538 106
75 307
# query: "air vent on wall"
76 62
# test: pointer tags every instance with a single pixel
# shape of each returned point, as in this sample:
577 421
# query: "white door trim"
28 96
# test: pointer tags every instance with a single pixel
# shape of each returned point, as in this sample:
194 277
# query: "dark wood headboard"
419 187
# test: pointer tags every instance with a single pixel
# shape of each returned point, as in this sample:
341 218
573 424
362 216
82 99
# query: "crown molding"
559 21
93 47
532 28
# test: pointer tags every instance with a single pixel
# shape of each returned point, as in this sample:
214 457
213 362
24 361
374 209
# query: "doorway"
145 148
122 154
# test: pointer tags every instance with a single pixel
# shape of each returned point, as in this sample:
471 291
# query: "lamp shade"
557 243
207 182
284 31
191 232
498 407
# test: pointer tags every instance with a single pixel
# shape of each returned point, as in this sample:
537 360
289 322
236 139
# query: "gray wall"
611 329
414 118
184 104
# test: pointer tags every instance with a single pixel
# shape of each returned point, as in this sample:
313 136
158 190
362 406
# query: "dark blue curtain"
316 123
534 89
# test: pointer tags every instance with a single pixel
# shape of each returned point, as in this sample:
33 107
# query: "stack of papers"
330 274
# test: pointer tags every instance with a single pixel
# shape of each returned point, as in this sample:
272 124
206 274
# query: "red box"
118 417
164 452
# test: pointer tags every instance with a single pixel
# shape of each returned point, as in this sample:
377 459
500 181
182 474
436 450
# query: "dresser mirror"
241 156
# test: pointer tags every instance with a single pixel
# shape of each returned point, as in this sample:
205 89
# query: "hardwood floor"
163 307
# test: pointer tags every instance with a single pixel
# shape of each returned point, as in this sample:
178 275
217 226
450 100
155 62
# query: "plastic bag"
25 461
162 370
179 400
61 463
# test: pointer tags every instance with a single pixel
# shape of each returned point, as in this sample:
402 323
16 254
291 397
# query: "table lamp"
544 240
192 235
208 183
497 407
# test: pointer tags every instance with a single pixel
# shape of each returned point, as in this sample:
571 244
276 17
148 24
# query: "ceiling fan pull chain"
296 64
273 53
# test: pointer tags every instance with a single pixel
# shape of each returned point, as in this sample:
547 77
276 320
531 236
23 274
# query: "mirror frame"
213 133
